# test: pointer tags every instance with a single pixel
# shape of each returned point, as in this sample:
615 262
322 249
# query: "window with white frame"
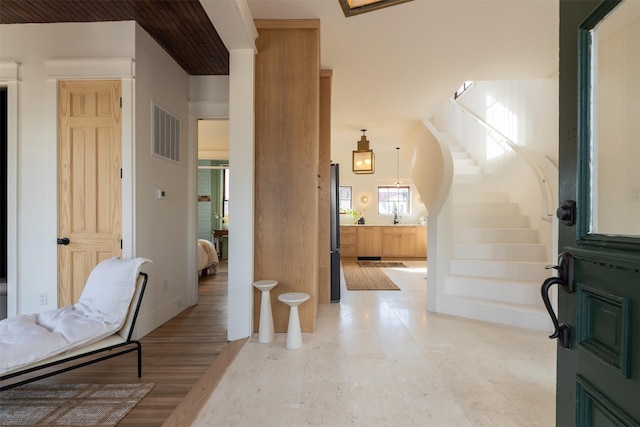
394 200
344 202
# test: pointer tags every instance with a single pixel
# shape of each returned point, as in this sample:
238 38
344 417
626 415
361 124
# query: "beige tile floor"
380 359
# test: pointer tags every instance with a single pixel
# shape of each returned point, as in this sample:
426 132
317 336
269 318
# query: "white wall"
210 90
161 224
30 45
533 103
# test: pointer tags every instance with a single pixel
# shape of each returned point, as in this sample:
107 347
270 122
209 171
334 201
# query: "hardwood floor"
174 356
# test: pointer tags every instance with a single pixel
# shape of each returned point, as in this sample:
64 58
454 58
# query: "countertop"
382 225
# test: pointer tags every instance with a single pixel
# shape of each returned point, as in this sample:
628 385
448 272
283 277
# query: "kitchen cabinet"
399 242
382 241
368 241
348 242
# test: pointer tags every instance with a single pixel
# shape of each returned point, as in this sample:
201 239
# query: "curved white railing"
545 172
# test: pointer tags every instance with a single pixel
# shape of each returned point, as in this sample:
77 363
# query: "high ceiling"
392 67
181 27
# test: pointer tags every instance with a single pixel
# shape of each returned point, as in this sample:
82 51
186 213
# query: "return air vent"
166 134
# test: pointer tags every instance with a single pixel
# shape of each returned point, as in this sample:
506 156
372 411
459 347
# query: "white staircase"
497 264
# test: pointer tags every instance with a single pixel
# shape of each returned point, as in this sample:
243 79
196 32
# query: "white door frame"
9 72
201 110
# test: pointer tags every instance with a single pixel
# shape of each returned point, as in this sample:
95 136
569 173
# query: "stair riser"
472 235
504 291
467 170
513 252
462 162
486 209
479 197
501 270
489 313
491 221
465 179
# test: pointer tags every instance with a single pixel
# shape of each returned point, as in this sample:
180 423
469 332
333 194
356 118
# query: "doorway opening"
213 183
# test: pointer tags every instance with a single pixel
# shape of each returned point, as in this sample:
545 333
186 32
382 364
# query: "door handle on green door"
565 270
561 329
566 282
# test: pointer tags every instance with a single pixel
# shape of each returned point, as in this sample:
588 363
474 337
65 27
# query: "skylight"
356 7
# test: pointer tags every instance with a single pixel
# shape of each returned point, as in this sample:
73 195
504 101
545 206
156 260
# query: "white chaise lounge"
98 327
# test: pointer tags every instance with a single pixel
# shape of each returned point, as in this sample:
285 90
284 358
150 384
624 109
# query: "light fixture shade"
363 159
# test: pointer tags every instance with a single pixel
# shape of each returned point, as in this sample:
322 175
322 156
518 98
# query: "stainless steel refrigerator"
335 232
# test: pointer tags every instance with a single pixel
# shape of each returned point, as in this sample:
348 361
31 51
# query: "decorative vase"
225 225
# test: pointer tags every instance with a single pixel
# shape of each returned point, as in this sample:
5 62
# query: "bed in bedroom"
207 257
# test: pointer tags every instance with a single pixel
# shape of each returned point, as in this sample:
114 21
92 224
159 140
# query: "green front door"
599 373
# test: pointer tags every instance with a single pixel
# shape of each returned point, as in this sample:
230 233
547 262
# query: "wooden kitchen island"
383 241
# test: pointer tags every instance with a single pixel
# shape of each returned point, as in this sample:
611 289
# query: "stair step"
490 221
486 208
521 315
468 178
508 270
465 188
460 155
475 196
460 162
507 291
467 169
496 235
534 252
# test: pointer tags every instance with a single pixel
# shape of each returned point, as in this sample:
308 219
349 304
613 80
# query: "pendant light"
397 166
363 159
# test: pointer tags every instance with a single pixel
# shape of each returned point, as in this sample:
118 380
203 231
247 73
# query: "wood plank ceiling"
181 27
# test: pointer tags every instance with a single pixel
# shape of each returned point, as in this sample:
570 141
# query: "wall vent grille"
166 134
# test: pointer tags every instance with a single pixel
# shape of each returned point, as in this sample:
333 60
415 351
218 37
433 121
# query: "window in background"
344 198
394 199
462 89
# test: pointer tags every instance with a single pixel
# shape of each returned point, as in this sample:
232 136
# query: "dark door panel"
599 373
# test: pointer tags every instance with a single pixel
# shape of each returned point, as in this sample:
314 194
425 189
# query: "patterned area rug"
69 404
381 264
359 278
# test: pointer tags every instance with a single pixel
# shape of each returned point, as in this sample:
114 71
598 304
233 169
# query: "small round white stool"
293 300
265 329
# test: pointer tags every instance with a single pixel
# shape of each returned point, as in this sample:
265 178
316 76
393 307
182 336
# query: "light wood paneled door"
89 181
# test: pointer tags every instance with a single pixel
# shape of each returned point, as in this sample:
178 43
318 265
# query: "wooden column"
324 200
287 92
